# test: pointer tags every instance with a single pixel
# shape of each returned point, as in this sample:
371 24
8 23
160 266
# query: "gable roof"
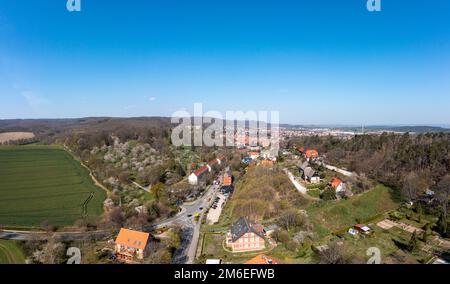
133 239
309 172
304 166
243 226
213 162
335 182
263 259
227 179
311 153
267 162
201 171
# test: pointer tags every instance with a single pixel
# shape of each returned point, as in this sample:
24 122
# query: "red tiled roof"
201 170
335 182
133 239
311 153
213 162
227 180
262 259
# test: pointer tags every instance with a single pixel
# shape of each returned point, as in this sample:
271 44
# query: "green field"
11 253
39 183
334 215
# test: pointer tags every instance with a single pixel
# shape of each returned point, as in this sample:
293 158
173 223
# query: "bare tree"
114 218
334 254
290 219
411 186
52 252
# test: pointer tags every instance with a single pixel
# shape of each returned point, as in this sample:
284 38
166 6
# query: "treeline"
388 157
21 141
411 163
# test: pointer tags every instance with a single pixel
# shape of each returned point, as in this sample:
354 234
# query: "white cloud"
152 99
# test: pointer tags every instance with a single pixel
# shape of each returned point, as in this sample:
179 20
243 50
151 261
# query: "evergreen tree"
328 194
412 242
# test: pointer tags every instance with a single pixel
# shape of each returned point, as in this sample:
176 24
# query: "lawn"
212 247
335 215
39 183
11 253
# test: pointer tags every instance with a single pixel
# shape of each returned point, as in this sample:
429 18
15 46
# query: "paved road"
295 182
191 228
341 171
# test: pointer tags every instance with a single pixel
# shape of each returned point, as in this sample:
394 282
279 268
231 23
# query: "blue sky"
315 61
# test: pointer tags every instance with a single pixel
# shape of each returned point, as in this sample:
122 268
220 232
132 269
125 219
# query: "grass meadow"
44 183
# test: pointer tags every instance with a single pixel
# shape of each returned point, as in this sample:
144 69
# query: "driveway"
295 182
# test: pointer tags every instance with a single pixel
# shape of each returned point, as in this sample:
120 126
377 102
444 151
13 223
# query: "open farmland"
39 183
11 253
13 136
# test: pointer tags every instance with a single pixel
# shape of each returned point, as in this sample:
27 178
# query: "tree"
425 236
412 245
334 254
411 186
290 219
442 223
328 194
52 253
443 189
115 218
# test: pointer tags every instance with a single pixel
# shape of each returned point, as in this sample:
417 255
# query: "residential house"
310 175
131 245
245 235
253 155
263 259
269 154
198 174
195 177
227 190
227 179
213 165
243 151
311 154
362 228
267 163
338 185
269 230
221 158
303 167
254 148
247 160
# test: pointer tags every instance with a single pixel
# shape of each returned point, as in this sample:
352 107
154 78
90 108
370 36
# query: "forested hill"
389 157
94 131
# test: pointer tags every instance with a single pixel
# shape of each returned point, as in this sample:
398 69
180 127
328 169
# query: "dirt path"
94 179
